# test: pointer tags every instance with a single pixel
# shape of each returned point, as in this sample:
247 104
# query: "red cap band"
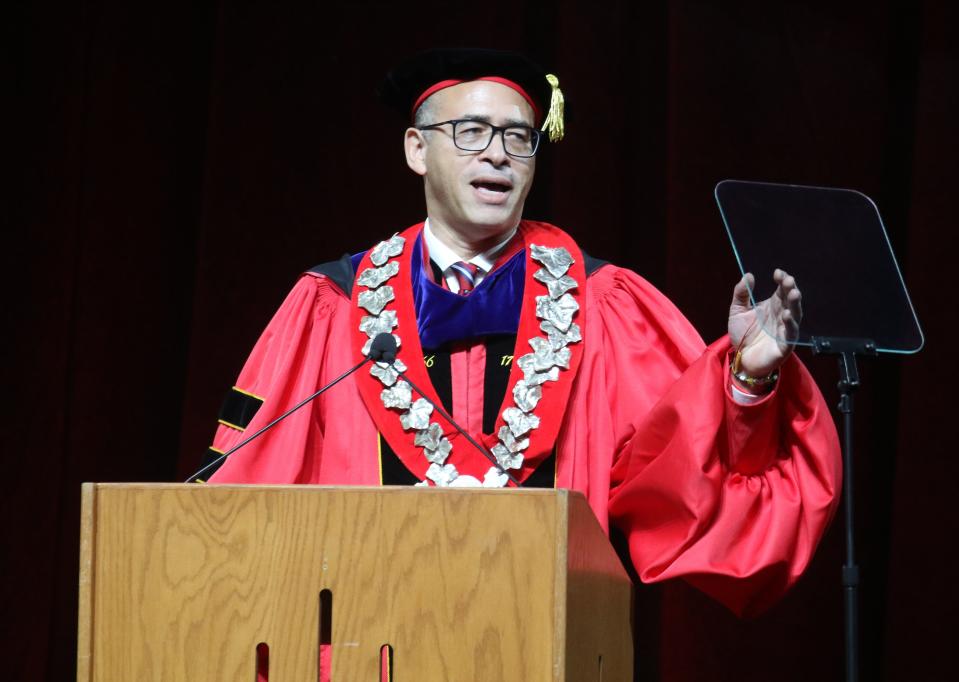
442 85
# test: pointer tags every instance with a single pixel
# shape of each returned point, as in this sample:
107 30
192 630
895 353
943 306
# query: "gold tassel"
553 125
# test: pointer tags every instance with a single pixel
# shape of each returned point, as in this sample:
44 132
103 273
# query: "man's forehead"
482 100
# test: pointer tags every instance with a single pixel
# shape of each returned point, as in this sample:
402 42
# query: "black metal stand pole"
849 382
847 350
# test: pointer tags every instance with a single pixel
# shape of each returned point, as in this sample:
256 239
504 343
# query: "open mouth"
491 189
491 186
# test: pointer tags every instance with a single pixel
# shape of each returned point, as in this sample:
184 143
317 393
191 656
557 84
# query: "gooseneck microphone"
382 349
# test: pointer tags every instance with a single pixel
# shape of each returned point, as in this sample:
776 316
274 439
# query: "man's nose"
496 149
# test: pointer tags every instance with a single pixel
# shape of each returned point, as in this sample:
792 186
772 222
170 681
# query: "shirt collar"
444 256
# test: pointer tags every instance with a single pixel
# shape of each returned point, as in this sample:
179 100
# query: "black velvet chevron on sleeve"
238 408
210 456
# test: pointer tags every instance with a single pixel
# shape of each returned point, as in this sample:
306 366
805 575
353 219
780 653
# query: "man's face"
476 194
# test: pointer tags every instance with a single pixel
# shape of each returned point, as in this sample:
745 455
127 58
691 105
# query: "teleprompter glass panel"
834 243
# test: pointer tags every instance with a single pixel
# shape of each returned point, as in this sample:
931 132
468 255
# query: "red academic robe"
733 498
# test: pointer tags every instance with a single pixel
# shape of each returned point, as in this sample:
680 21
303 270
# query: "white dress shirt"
445 257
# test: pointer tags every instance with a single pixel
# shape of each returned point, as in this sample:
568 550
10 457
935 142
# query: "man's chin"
493 222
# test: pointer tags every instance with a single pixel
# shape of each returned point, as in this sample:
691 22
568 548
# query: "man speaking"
720 464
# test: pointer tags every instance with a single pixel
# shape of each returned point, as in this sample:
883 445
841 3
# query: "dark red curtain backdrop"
179 164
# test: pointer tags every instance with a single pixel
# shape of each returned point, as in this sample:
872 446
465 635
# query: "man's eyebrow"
510 122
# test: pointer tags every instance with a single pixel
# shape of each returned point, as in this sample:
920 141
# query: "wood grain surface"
181 582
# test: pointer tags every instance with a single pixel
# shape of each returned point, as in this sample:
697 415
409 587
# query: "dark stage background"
179 163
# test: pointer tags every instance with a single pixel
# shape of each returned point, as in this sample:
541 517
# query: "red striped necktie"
465 276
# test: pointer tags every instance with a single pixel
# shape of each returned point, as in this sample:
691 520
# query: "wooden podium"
183 582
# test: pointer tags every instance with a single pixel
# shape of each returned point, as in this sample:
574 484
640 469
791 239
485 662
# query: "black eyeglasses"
475 136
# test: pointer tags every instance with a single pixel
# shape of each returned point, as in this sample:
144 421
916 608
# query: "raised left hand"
766 333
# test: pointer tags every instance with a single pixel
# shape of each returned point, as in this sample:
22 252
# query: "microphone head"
383 348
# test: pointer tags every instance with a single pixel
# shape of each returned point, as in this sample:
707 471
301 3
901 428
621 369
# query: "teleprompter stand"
847 350
853 295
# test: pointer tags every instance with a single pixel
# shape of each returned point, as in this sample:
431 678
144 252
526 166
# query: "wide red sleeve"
299 351
733 498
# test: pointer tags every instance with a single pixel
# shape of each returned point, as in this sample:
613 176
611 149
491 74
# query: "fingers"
788 293
790 326
742 289
786 284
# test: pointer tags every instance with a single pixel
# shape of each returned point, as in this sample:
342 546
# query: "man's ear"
414 143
